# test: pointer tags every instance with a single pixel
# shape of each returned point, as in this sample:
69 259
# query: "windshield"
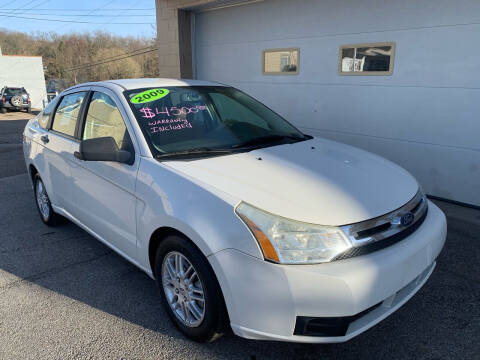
199 119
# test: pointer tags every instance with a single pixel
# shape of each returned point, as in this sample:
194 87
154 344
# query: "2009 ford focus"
242 220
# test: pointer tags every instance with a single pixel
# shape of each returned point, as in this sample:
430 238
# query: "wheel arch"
156 238
160 235
32 171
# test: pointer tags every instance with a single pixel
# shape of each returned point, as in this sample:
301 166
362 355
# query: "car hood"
316 181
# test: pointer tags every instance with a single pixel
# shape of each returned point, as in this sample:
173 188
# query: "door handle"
45 139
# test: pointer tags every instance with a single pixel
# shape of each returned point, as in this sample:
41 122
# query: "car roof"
128 84
5 88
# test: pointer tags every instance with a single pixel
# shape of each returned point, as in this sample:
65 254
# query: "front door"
104 191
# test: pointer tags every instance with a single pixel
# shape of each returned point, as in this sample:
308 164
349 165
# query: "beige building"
174 25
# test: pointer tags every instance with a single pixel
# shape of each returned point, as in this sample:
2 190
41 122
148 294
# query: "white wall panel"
424 116
27 72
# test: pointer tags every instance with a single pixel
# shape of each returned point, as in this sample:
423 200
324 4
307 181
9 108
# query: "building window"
366 59
280 61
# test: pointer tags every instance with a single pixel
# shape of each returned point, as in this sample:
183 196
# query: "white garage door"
424 116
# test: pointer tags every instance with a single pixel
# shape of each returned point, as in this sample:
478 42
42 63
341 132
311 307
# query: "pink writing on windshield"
172 111
167 121
147 113
156 129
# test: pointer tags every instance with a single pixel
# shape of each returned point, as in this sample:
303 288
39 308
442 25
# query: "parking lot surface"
64 295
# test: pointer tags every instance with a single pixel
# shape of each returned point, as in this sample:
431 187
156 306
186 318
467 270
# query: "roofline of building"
35 56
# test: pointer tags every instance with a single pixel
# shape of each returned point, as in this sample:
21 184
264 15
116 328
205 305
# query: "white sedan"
242 220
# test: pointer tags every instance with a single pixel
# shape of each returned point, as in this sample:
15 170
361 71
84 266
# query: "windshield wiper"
268 139
195 151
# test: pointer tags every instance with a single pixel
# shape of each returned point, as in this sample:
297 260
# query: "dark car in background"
14 98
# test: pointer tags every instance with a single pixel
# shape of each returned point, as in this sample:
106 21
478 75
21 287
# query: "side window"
45 115
67 113
104 119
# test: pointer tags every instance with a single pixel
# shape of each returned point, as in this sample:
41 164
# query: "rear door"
55 148
103 190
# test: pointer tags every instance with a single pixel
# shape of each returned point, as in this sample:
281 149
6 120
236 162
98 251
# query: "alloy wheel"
42 200
183 289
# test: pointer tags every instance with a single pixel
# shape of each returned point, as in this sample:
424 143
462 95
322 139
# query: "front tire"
44 207
189 290
3 110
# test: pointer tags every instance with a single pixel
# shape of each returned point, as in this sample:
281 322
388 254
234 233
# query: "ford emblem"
407 219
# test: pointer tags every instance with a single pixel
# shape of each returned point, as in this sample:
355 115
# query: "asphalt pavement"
64 295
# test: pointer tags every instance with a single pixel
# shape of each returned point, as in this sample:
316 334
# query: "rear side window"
67 113
45 115
104 119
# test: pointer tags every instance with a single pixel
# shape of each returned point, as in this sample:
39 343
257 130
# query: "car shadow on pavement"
11 154
67 261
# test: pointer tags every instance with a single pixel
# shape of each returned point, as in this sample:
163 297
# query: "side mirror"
102 149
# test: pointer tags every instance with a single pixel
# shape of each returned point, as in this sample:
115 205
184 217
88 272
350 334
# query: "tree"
61 53
125 68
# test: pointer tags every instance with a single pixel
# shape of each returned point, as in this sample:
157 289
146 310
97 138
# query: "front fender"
206 216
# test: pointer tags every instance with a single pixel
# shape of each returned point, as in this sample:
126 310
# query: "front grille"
386 230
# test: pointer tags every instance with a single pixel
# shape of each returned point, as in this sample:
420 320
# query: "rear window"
14 91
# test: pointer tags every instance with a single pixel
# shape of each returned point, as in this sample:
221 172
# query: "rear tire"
182 286
44 207
29 110
3 110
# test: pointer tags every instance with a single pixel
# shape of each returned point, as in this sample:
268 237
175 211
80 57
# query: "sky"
23 15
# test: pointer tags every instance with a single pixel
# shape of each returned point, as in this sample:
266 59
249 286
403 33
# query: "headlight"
288 241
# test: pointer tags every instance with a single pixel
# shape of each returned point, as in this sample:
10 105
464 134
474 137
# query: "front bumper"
265 300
